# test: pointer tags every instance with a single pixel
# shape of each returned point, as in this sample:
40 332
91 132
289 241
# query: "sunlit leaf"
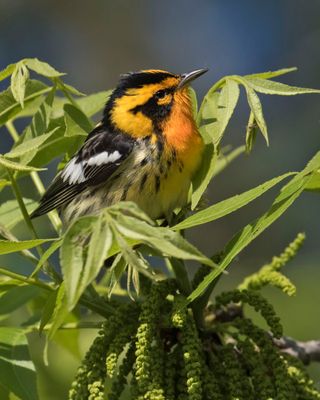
42 68
272 74
9 107
271 87
6 72
256 108
230 205
19 79
17 167
7 246
288 194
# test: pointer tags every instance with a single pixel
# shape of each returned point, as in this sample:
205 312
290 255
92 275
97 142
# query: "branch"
307 352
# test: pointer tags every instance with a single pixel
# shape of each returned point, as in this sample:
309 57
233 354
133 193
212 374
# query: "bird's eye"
160 94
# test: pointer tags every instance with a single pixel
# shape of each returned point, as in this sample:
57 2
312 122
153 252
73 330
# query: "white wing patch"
73 172
104 158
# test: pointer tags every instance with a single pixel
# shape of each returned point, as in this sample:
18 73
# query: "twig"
307 352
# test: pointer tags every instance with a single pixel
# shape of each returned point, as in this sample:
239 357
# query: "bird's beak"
190 76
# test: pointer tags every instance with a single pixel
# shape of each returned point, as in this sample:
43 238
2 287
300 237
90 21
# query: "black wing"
95 162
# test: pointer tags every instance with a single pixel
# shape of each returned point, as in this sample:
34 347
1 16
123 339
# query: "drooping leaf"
7 246
18 373
85 246
19 79
10 214
267 86
162 239
256 108
251 133
6 72
10 108
230 205
42 68
288 194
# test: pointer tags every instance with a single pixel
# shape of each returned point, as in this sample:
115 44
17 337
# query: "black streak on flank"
125 192
143 181
157 178
144 162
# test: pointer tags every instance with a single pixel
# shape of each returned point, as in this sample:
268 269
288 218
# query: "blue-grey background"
94 41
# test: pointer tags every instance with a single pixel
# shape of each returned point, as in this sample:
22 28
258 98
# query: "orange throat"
181 132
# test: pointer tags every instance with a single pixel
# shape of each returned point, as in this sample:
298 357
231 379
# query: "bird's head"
145 102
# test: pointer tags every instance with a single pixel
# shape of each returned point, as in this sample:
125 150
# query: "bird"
146 149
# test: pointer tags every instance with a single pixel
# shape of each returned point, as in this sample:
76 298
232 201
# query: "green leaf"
10 214
7 246
30 145
4 183
256 108
10 108
314 184
204 174
162 239
19 79
288 194
77 123
99 245
48 309
41 119
230 205
251 133
42 68
18 373
17 297
80 264
132 258
194 101
271 87
60 311
16 166
46 255
5 73
66 89
272 74
94 103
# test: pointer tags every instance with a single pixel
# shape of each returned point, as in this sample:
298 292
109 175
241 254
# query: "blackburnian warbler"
146 150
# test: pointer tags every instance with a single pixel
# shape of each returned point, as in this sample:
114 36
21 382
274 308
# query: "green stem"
48 268
25 279
53 217
181 274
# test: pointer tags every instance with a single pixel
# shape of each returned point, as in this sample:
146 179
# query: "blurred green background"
94 41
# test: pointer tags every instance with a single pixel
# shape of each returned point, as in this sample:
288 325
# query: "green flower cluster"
153 350
103 354
269 274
